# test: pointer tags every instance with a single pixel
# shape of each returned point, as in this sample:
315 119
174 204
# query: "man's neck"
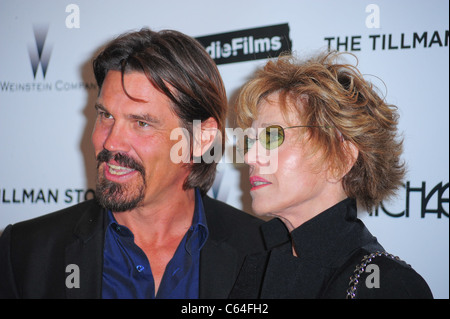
158 229
157 222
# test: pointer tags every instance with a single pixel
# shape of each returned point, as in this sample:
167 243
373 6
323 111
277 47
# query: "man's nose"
116 140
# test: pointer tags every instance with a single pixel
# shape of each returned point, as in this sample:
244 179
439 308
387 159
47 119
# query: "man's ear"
204 134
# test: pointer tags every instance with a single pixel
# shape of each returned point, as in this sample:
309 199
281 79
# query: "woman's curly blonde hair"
336 97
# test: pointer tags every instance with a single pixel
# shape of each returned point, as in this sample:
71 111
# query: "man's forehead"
133 84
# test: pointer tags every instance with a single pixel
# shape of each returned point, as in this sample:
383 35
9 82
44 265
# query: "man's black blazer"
34 254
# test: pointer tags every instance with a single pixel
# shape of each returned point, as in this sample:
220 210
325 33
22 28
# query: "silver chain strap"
354 279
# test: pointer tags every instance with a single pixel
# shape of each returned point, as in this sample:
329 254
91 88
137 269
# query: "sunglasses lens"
272 137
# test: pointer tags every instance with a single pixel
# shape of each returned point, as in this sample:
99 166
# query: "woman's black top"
329 248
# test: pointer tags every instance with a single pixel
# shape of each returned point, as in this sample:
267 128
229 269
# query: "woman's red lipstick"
258 182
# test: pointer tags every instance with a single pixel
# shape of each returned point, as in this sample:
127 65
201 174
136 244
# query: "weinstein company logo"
39 53
249 44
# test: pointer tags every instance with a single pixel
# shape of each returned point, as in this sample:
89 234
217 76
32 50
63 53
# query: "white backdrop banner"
47 94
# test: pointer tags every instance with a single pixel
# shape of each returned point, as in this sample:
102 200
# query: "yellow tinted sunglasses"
270 137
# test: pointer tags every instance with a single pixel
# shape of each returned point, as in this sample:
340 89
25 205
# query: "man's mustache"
122 159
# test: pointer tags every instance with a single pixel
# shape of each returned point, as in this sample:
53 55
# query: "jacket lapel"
217 270
86 253
219 261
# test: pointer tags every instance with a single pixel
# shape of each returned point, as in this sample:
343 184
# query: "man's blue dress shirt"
126 269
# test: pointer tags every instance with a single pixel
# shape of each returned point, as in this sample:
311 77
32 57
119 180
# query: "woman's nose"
257 155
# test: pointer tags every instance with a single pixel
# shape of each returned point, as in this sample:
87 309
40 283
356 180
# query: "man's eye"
105 115
142 124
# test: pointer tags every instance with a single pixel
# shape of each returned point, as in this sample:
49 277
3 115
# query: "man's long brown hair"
180 68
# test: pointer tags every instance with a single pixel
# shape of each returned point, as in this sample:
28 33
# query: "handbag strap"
360 268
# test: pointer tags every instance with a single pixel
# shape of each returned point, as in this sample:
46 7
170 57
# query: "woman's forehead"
274 109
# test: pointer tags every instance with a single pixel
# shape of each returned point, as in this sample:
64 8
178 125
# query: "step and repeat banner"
47 94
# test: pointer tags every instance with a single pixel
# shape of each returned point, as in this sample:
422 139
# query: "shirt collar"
199 228
196 235
326 235
324 238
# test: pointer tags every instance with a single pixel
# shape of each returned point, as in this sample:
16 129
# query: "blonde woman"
334 143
